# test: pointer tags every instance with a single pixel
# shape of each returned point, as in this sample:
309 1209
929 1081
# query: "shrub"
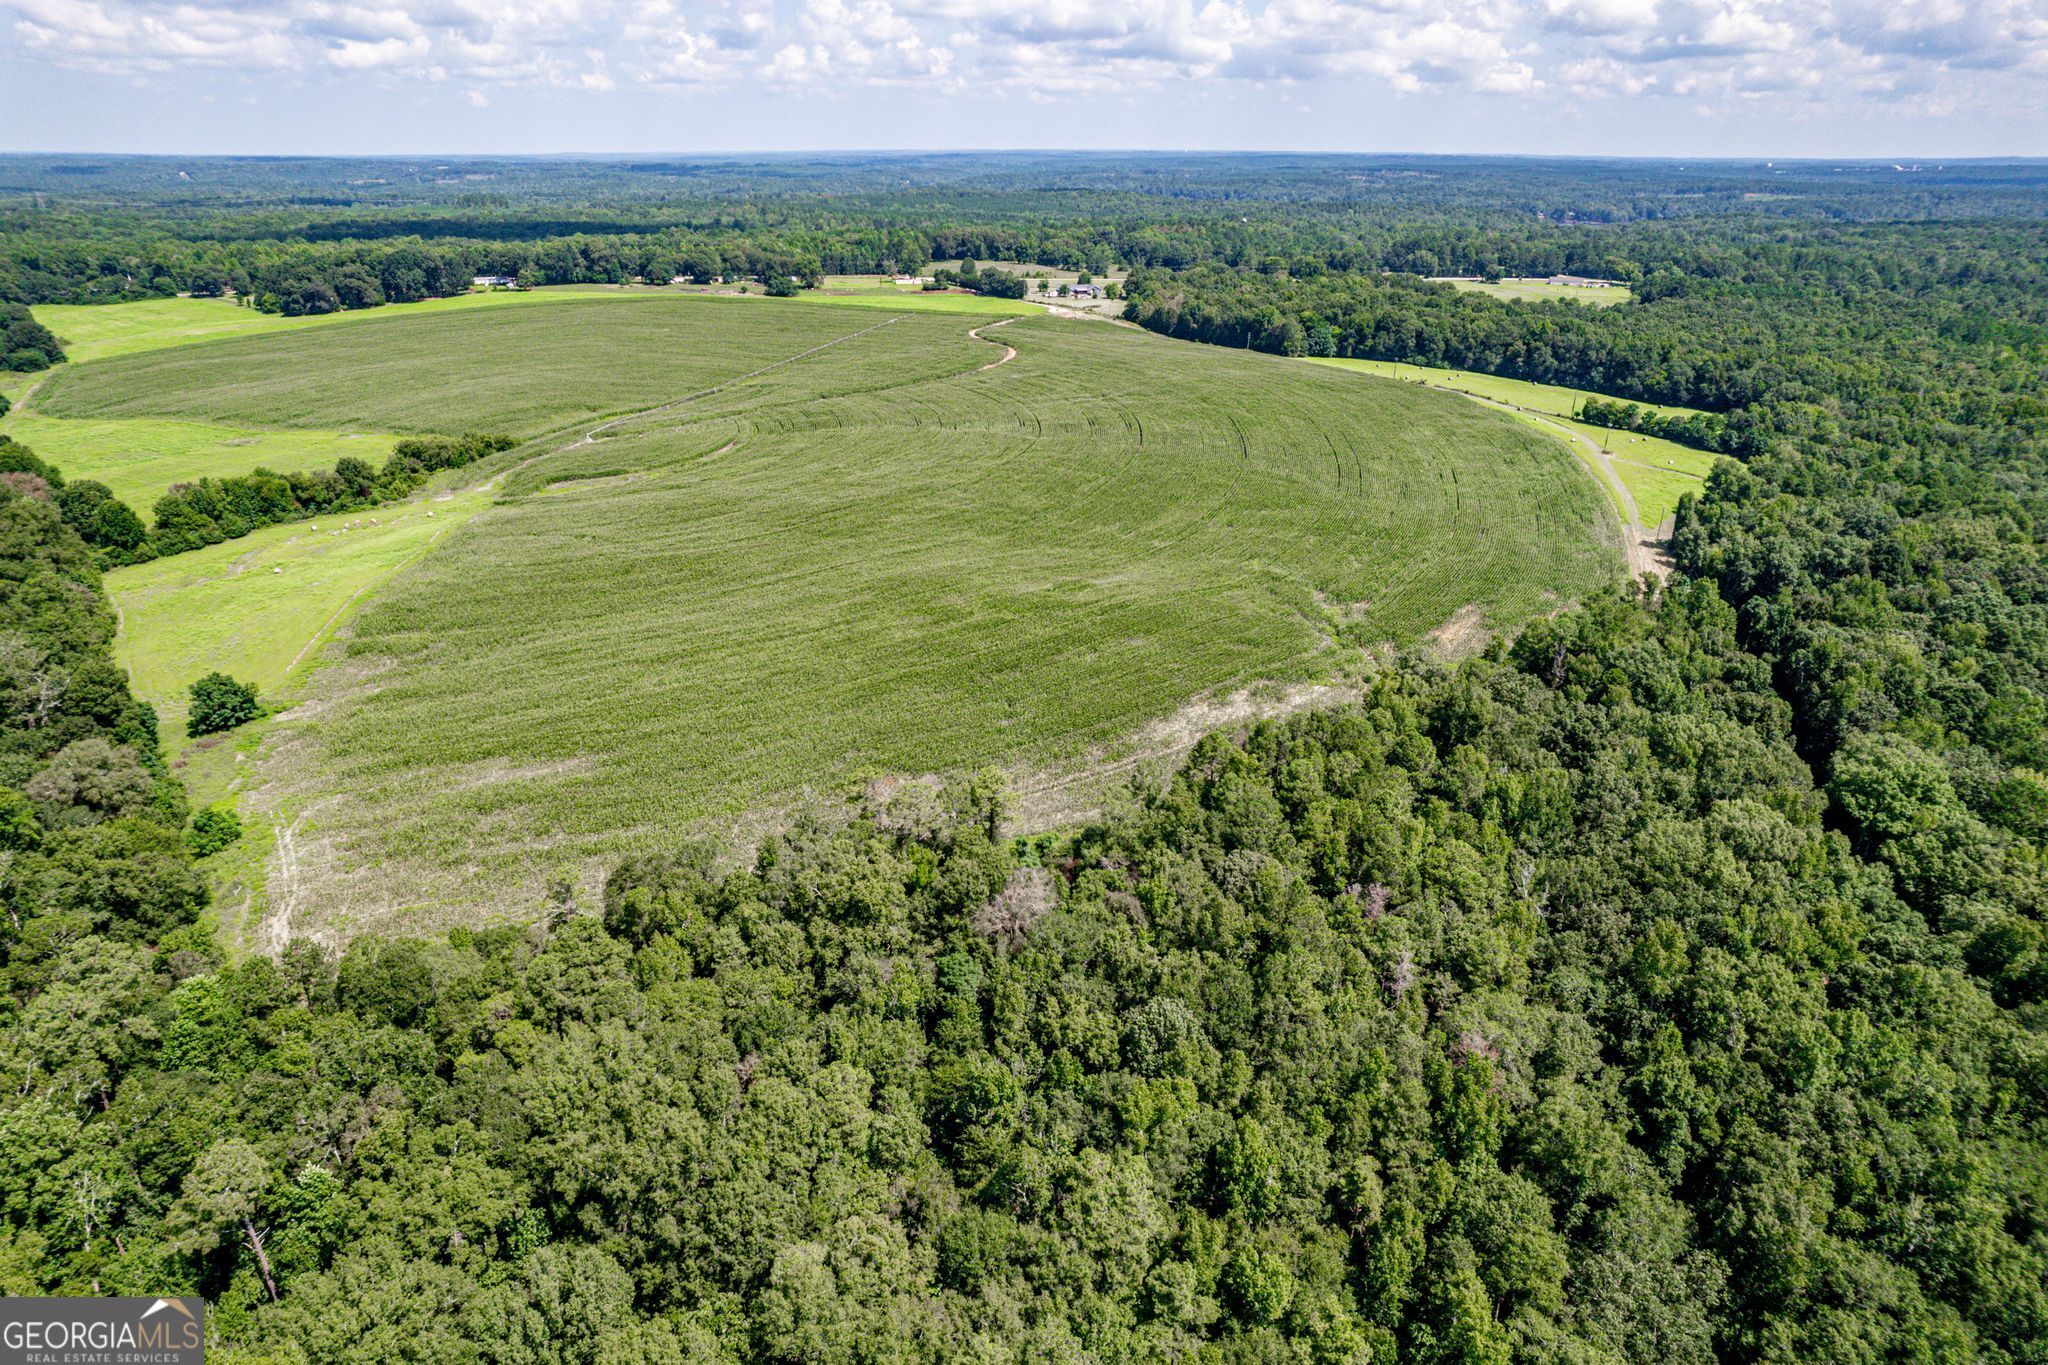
212 830
220 703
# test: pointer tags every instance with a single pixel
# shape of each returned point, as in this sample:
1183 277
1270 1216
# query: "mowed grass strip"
1657 472
1556 399
260 606
821 575
140 458
524 370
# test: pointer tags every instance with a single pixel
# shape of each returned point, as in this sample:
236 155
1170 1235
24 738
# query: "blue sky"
1889 78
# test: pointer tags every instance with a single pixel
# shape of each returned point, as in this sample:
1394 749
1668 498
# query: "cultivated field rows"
852 551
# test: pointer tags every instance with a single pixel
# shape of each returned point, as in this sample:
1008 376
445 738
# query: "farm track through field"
1009 352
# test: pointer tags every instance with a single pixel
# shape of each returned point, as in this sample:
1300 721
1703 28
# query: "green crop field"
521 370
140 458
97 331
889 295
890 555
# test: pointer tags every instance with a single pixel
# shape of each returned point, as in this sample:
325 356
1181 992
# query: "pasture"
261 606
880 293
881 557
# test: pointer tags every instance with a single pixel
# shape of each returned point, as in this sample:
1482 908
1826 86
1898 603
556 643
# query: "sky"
1828 78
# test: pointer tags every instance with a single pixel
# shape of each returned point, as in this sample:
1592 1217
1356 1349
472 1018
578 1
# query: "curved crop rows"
885 553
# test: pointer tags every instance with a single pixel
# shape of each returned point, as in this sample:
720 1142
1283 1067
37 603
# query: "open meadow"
804 549
1543 291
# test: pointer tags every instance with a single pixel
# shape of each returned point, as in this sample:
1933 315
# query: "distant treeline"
1930 339
212 510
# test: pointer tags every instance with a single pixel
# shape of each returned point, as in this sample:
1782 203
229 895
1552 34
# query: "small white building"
494 282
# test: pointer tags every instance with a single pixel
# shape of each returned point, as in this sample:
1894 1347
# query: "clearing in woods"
1543 291
886 556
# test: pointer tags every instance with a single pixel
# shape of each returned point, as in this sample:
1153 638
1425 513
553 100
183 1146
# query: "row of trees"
994 284
1706 430
211 510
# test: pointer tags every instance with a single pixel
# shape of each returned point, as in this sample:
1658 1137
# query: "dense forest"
315 236
1665 984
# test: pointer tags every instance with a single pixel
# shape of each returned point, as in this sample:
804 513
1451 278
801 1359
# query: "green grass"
224 607
1539 291
1657 489
802 581
227 607
13 384
1656 471
140 458
889 296
98 331
1554 399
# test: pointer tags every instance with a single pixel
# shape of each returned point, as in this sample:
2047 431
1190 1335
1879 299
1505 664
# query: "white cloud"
353 54
1931 55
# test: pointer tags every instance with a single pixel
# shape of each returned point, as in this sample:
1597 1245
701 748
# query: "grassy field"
261 606
98 331
140 458
878 558
1541 291
14 384
1555 399
1656 471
